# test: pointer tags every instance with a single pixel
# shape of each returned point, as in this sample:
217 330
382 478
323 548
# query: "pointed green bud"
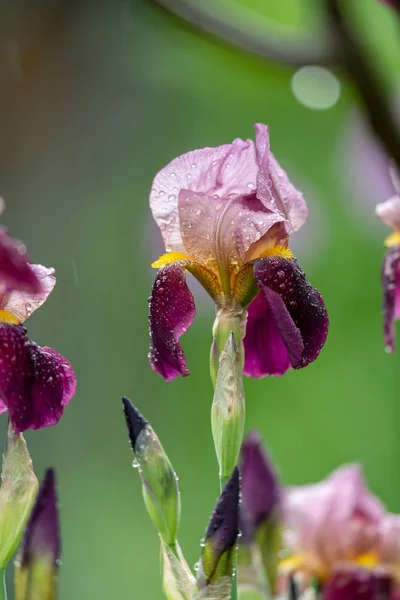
228 408
37 570
178 580
159 481
17 494
219 550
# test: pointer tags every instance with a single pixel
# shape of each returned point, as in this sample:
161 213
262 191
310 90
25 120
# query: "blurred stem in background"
3 587
335 44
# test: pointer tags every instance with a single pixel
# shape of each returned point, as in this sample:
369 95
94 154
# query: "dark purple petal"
298 309
15 271
223 528
357 584
35 383
265 352
260 487
391 294
394 3
135 421
42 534
171 313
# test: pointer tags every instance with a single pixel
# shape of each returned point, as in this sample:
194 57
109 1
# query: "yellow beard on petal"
280 251
7 317
393 239
168 258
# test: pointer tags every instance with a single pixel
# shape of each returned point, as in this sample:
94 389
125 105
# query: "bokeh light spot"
315 87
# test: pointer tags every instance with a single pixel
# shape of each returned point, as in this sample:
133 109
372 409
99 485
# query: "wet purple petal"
391 294
265 351
260 486
42 535
35 383
22 303
15 270
171 313
357 584
298 309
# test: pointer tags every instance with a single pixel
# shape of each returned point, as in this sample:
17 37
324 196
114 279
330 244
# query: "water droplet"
194 165
135 463
198 211
172 175
161 193
250 186
171 197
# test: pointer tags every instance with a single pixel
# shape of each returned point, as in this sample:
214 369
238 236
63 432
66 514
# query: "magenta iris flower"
389 213
36 383
225 215
338 532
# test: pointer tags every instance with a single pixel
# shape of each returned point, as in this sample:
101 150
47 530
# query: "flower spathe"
389 213
36 383
225 215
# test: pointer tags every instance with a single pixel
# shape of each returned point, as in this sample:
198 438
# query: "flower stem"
3 587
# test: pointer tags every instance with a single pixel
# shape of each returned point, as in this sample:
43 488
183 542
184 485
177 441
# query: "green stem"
3 587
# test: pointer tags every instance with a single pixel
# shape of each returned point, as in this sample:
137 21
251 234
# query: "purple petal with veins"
297 308
171 313
35 383
391 294
265 351
356 583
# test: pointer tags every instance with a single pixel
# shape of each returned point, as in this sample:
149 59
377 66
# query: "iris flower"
225 215
389 213
36 383
339 533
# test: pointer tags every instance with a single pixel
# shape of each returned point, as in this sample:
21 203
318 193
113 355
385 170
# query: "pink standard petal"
390 539
389 212
171 313
35 383
273 186
391 294
265 351
218 231
23 304
298 309
15 270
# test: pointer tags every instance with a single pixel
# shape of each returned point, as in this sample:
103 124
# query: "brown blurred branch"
355 60
252 35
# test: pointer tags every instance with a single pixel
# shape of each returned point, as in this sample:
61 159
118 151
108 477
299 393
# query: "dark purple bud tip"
260 486
135 421
223 528
42 534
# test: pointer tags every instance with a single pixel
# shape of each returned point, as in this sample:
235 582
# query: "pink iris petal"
35 383
390 539
15 270
231 169
358 584
334 520
389 212
227 229
21 303
391 294
273 186
296 307
171 313
265 351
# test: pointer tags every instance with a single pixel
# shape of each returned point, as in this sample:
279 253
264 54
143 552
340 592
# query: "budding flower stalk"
218 556
228 408
37 571
159 481
17 494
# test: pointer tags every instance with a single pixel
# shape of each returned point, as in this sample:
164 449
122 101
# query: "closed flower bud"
228 409
159 481
17 494
218 556
37 571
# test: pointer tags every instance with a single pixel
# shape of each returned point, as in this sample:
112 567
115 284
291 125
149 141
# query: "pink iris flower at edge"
36 383
338 532
389 213
225 215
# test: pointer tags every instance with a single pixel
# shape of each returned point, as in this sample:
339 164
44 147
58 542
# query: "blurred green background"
97 96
